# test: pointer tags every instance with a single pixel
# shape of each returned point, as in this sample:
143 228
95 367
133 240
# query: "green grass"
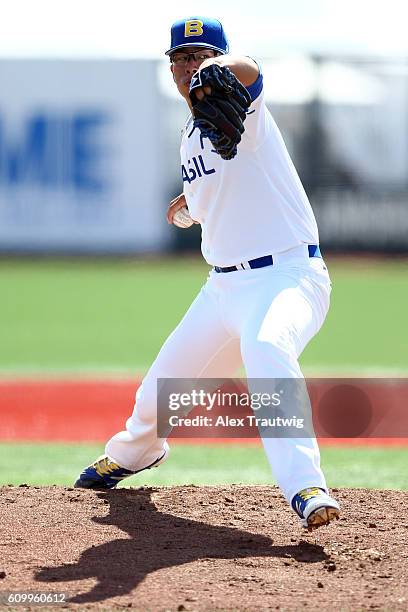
86 316
67 315
365 329
91 314
46 464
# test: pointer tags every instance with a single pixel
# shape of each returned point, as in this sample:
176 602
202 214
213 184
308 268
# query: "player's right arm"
175 205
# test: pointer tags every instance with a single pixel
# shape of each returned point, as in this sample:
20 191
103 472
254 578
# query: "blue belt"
266 260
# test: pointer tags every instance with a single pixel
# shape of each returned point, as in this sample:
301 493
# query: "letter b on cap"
193 28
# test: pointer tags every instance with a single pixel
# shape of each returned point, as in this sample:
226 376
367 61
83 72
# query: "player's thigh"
199 347
288 310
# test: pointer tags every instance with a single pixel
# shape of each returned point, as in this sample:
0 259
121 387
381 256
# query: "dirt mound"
203 548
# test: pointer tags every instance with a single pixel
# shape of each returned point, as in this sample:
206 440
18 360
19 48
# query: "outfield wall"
81 157
89 154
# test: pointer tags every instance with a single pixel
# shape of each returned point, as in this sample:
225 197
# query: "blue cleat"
315 507
106 474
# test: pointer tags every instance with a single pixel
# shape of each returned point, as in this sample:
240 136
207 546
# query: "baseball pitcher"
268 291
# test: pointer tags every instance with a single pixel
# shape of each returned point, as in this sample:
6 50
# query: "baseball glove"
220 115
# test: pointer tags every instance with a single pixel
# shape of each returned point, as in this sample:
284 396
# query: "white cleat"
315 507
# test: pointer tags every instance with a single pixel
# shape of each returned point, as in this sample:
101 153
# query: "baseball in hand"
182 218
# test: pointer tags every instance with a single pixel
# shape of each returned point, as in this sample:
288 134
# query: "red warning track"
93 410
64 410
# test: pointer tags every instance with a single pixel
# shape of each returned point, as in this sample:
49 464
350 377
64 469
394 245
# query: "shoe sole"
322 516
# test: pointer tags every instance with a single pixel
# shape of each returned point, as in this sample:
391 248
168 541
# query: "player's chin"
184 90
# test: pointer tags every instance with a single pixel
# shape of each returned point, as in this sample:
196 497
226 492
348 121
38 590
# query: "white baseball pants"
262 318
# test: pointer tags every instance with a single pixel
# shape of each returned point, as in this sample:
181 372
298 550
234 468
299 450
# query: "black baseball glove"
220 115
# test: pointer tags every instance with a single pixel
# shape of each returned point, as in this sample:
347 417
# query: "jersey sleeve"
256 88
257 119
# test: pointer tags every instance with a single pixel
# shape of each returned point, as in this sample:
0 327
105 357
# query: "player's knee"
268 356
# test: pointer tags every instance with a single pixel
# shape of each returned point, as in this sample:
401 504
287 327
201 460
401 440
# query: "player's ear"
172 71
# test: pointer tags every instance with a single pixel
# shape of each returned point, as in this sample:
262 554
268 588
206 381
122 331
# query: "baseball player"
268 291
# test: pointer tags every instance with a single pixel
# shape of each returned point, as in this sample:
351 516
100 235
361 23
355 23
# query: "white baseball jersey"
252 205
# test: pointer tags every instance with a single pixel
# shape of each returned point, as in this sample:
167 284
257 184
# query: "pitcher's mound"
201 548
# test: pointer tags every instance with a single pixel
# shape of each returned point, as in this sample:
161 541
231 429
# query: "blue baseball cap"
198 32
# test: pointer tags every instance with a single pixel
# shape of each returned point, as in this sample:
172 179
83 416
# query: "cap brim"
202 45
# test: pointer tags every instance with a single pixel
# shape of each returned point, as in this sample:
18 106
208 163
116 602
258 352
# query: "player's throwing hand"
175 205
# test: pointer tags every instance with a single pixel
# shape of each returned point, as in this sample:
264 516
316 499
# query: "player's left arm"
220 115
245 69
